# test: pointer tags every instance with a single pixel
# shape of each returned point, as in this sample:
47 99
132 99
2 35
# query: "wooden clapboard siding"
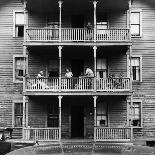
117 112
145 46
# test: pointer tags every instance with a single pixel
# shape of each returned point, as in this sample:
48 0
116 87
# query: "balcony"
77 85
81 35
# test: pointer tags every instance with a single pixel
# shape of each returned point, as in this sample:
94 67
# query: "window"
101 68
135 114
136 23
19 67
18 114
101 114
136 68
53 115
18 24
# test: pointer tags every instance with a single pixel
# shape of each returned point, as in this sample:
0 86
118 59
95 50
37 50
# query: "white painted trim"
13 112
141 109
14 20
19 56
140 12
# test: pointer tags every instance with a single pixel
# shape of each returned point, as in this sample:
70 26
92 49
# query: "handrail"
77 34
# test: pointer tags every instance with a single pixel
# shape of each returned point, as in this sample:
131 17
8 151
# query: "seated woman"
89 73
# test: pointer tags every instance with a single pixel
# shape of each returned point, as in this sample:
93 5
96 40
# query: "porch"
76 117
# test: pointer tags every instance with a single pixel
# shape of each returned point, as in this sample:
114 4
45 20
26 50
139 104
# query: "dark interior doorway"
77 21
77 67
77 121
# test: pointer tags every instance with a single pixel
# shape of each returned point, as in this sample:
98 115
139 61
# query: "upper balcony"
65 23
79 35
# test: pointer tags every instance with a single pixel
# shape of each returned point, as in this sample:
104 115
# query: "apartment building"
117 103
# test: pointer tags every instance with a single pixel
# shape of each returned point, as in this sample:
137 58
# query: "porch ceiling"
72 5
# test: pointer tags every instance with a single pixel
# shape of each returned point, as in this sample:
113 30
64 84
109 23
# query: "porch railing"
114 84
45 134
77 84
77 34
112 134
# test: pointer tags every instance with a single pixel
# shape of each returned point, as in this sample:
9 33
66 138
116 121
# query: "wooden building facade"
115 40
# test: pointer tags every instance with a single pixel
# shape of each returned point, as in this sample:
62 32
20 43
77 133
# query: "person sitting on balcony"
68 74
89 73
40 74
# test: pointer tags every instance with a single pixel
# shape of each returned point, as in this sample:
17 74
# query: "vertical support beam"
130 57
60 18
60 63
60 99
25 19
131 110
24 122
95 122
95 49
129 17
94 3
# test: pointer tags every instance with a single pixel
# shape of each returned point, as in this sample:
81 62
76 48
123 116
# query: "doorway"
77 21
77 121
77 67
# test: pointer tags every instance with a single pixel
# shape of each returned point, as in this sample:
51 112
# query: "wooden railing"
112 134
42 84
80 84
114 84
77 84
45 134
77 34
43 34
113 34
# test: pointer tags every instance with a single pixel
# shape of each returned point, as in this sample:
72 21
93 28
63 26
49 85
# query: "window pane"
135 29
135 62
19 18
135 18
101 64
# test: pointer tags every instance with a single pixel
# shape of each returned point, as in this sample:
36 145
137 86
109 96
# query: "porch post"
130 56
24 122
60 20
60 68
60 99
95 49
25 19
95 99
94 3
129 17
131 107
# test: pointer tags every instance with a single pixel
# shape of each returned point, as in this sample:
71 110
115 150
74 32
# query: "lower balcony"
101 134
77 84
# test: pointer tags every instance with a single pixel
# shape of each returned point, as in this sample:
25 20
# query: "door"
77 21
77 121
77 67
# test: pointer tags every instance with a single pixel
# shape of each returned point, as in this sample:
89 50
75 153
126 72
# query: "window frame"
13 114
141 112
140 24
140 67
14 24
14 67
102 115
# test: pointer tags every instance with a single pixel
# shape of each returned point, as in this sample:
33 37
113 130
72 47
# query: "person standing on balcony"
69 82
89 32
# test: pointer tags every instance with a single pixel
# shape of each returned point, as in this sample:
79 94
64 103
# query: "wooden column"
131 107
24 121
94 3
60 18
130 57
129 17
95 121
60 68
25 19
95 73
60 99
